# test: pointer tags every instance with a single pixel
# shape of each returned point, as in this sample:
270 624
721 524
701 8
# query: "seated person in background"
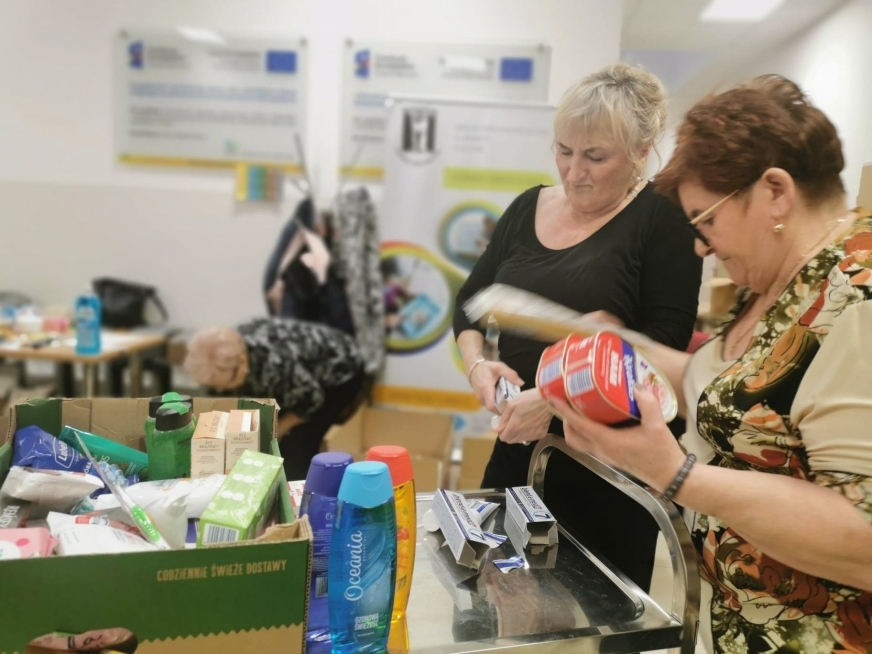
313 371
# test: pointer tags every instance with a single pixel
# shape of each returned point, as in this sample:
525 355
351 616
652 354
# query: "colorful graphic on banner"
199 98
466 230
452 168
419 291
373 70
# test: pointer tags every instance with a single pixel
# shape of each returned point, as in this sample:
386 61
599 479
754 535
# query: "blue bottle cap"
326 472
366 484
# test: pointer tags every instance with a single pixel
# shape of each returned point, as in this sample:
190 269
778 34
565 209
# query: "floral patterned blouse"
748 418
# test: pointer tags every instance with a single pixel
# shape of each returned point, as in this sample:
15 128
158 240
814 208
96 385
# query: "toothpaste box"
241 507
208 444
536 556
537 525
242 435
465 538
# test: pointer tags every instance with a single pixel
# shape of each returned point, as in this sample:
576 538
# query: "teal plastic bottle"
169 448
362 567
89 318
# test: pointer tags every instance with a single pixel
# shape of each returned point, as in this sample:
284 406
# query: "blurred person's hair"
217 358
625 102
728 140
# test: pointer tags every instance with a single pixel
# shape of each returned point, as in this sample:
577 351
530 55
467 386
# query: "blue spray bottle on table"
363 560
88 316
319 503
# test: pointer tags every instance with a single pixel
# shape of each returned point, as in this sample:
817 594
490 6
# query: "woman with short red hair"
775 472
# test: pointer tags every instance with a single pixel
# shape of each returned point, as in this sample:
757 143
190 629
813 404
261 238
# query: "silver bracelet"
675 486
469 374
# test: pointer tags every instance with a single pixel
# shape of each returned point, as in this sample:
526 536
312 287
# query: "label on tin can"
599 375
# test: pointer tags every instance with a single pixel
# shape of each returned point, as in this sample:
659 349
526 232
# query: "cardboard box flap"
428 434
347 437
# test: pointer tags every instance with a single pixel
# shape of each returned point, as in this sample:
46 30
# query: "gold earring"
778 228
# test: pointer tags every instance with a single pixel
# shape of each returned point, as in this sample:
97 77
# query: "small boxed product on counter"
460 529
536 523
275 565
208 444
243 434
240 508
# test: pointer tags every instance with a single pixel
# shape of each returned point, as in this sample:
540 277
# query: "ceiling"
667 37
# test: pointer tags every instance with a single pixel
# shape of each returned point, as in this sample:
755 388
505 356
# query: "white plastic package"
57 522
50 490
200 493
99 539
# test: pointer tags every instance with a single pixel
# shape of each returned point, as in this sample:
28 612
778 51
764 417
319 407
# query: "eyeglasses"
692 224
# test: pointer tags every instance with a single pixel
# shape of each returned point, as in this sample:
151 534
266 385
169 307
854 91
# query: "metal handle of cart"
686 586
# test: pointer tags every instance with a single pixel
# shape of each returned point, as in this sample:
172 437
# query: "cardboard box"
537 524
864 197
214 600
208 444
426 435
476 453
243 431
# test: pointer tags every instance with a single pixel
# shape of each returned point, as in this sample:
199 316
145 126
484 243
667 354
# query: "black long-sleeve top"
640 266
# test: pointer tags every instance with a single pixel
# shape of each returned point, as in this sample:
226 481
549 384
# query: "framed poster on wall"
371 71
194 97
451 169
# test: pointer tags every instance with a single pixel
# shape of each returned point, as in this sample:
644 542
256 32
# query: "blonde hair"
625 101
217 358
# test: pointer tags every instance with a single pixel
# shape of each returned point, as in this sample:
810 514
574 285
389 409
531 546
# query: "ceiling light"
202 35
738 11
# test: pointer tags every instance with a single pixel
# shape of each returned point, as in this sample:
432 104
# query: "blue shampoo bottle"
363 560
319 503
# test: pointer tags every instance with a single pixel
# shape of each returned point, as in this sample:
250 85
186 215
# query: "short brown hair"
728 140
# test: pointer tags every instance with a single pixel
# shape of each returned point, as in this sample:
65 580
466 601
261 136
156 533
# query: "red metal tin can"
599 375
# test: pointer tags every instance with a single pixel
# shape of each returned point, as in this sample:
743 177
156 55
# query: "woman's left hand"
525 418
649 451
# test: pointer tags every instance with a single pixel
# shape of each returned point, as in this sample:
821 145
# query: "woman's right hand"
484 380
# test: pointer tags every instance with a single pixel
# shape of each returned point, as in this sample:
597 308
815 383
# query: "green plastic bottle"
157 402
169 447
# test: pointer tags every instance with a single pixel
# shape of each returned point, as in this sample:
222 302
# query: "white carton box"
464 536
208 444
538 526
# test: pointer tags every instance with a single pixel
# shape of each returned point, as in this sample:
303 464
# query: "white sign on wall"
199 98
451 169
373 70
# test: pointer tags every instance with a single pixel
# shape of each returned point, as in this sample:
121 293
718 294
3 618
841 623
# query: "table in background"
115 345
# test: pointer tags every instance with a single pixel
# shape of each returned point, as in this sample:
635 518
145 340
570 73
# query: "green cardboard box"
241 597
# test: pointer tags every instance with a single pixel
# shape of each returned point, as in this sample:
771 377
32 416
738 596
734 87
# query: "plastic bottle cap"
397 460
326 472
366 484
158 401
174 415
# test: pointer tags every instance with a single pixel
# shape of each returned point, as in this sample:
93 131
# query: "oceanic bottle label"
362 574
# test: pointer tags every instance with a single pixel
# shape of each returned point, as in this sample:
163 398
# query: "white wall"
832 63
69 213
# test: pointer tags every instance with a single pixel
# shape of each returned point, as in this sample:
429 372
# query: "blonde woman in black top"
601 242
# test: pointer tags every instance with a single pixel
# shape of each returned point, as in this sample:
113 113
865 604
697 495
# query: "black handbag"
124 302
